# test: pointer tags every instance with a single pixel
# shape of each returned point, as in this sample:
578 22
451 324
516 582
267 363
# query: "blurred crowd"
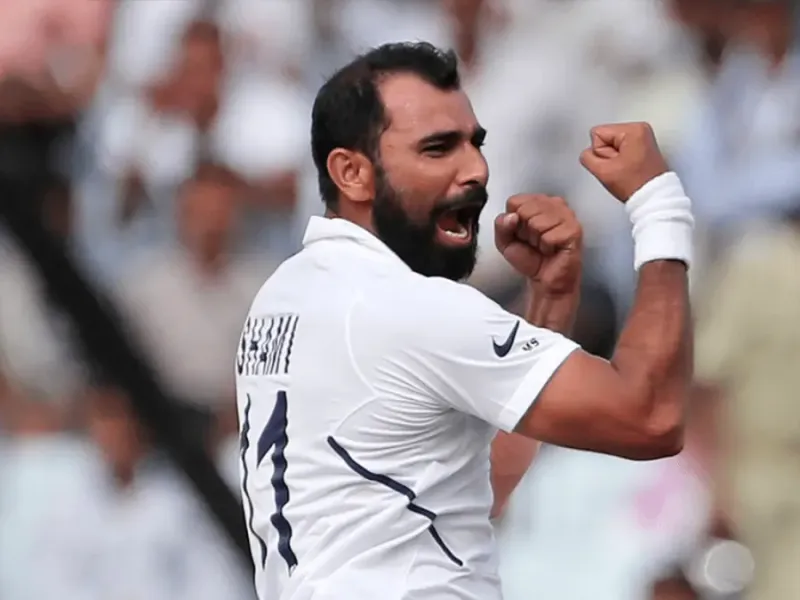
180 175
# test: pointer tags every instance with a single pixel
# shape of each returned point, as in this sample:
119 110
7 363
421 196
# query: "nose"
475 170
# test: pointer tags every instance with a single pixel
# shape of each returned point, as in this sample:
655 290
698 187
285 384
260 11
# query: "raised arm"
632 406
554 295
513 453
470 355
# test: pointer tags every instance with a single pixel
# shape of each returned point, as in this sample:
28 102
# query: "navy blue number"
273 438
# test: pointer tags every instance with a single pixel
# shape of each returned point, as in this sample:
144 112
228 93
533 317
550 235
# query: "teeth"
459 235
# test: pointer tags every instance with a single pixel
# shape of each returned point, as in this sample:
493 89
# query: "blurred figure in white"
363 24
545 72
747 352
146 40
743 145
127 527
144 143
274 38
588 526
40 360
152 141
42 379
211 101
187 302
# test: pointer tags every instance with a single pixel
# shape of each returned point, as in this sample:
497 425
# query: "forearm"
654 353
511 457
512 453
555 312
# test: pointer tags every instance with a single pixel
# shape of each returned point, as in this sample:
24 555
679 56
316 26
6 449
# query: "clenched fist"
624 157
542 239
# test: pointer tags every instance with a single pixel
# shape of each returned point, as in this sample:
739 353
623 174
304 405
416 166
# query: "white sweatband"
661 215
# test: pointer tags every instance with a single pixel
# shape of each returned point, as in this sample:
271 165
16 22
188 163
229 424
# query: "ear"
353 174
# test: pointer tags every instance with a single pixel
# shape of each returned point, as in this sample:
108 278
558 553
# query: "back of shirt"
368 397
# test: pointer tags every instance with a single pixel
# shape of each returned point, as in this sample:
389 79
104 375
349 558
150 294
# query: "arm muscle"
512 453
633 405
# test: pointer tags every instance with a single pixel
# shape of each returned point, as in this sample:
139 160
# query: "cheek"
421 182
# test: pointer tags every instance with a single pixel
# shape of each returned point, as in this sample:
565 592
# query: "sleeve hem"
532 384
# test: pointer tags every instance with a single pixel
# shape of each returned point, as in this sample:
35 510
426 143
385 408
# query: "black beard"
415 243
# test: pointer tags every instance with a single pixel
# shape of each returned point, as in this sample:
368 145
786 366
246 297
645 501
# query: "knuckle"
530 222
514 202
643 129
530 204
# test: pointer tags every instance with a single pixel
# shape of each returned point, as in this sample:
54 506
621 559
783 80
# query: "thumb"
593 162
505 230
606 135
605 142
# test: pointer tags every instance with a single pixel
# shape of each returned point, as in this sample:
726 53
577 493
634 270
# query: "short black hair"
348 111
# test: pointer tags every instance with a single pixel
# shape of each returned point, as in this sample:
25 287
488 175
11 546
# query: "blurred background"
155 168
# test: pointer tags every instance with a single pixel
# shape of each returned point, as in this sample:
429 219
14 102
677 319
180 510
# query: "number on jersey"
273 438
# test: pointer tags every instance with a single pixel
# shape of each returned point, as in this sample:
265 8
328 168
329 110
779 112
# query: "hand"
542 239
624 157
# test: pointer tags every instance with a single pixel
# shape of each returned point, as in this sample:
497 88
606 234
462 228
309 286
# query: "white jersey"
368 397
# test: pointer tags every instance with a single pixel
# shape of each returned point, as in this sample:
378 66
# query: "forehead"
416 108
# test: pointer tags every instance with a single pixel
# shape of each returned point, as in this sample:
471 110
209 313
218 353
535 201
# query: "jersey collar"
343 231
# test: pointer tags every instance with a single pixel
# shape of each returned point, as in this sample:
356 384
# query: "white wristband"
661 215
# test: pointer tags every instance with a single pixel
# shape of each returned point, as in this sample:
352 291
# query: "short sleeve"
447 343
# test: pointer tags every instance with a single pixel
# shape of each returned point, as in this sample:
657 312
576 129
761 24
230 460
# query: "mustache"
475 196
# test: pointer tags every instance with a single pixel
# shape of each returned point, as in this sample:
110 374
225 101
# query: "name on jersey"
266 345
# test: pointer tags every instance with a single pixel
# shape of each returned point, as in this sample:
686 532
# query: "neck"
124 476
780 45
210 264
363 221
777 53
205 116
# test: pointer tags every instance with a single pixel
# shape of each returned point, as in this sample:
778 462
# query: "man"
370 383
125 525
187 302
747 357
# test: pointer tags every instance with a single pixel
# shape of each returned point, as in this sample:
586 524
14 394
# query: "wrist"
662 221
552 309
538 289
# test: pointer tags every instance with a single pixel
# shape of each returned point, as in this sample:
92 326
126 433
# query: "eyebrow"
453 136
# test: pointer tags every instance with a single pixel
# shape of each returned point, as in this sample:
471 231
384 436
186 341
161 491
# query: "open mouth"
458 226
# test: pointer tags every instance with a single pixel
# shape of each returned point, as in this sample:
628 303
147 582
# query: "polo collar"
321 229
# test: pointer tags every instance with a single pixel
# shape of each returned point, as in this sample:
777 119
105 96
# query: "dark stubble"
415 242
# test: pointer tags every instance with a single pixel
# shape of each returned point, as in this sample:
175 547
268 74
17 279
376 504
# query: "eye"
437 149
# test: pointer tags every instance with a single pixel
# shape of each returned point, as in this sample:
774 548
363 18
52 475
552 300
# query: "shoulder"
425 313
416 299
277 285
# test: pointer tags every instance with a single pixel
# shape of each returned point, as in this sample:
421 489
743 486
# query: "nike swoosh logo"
502 349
